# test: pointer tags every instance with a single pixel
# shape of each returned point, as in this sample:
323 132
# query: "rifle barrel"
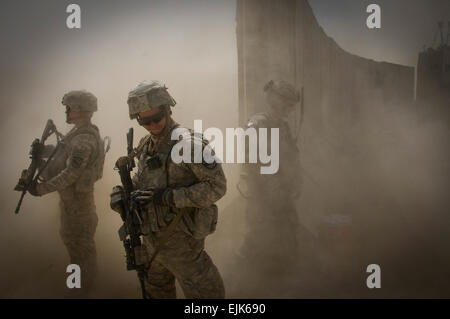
20 202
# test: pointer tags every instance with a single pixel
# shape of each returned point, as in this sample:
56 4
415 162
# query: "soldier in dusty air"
165 189
270 249
72 172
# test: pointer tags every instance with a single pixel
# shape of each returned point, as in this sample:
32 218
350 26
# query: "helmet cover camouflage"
80 100
281 93
147 96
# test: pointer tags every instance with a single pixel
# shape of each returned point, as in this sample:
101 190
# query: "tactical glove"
33 189
142 197
159 196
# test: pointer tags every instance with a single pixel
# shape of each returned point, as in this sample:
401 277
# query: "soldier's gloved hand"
20 186
163 197
143 197
33 189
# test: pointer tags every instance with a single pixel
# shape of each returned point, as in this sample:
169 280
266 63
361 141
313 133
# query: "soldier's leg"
206 281
160 283
77 232
186 258
87 250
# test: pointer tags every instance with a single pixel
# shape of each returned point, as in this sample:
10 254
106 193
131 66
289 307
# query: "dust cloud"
394 176
193 55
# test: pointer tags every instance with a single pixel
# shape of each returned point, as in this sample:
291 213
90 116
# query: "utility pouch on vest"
94 171
205 221
154 162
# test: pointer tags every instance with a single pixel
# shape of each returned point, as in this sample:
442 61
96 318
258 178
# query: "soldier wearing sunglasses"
164 189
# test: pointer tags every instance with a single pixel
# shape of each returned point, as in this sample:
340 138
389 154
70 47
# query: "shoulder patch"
77 160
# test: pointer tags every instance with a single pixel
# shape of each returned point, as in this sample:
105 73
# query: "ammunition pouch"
141 255
205 221
154 162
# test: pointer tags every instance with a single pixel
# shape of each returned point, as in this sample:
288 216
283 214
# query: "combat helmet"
80 100
146 96
281 93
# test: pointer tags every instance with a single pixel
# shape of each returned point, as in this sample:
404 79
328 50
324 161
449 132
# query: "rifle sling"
169 230
137 150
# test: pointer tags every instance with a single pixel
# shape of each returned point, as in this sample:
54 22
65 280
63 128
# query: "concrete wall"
283 40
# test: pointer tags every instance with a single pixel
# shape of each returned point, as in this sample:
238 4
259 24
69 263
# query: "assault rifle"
38 149
130 232
130 137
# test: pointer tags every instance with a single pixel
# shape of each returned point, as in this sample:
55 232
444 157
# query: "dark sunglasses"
156 118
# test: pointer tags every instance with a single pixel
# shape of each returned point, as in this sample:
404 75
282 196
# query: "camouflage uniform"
271 197
195 188
270 247
73 171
